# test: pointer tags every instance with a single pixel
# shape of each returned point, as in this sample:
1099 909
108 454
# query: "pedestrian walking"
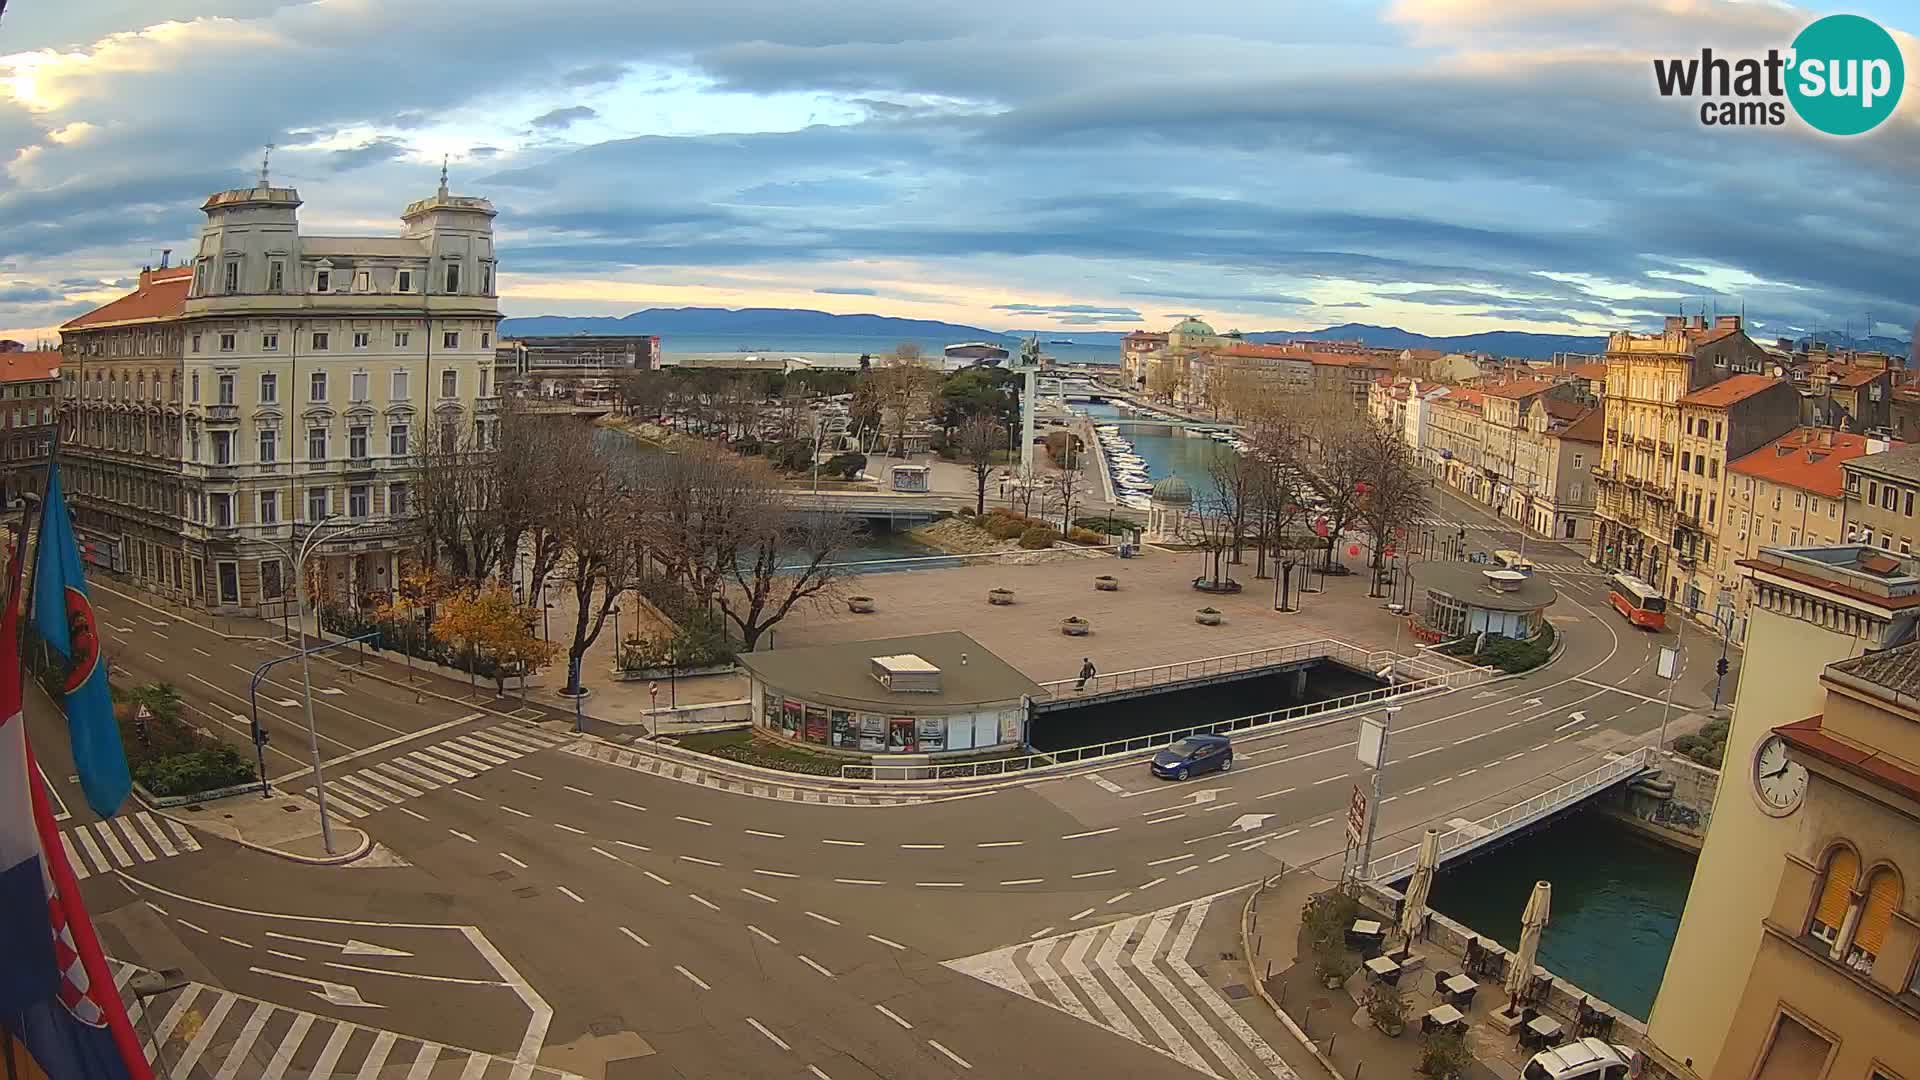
1087 671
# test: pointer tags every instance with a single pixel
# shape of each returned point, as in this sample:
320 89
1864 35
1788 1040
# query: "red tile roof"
1517 388
1810 737
1852 376
1587 428
1472 398
29 366
1348 360
1805 458
1564 410
1255 350
1595 371
161 294
1730 390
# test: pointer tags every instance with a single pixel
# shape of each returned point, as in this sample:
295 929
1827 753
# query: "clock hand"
1777 772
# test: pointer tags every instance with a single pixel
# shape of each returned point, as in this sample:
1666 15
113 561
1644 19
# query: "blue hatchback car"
1192 755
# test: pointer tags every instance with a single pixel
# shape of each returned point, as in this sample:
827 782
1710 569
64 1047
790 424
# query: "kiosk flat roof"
842 674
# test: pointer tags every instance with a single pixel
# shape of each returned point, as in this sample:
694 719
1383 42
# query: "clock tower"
1810 607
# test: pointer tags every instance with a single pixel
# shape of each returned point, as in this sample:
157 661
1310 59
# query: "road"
530 900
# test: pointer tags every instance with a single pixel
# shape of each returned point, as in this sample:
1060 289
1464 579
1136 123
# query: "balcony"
1684 560
1644 442
223 414
1613 434
1666 449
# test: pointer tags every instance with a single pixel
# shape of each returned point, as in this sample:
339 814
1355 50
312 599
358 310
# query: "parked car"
1582 1059
1191 755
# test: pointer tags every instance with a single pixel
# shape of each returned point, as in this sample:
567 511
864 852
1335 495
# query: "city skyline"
1262 168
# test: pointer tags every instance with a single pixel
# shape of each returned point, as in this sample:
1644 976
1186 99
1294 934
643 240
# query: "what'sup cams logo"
1842 76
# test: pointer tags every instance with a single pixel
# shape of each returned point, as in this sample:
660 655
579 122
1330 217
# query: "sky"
1448 166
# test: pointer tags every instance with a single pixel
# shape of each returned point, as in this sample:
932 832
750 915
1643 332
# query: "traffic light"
1720 666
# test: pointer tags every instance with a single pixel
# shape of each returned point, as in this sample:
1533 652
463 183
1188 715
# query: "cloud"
1068 309
831 290
592 75
562 118
22 293
1225 297
367 153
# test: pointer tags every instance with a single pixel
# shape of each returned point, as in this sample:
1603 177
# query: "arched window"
1882 898
1836 896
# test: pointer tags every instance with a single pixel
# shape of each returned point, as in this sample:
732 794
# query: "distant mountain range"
773 329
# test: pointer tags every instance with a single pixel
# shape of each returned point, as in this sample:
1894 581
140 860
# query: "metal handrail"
1388 867
1205 667
1252 724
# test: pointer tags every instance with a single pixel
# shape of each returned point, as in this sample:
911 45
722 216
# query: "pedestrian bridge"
1462 836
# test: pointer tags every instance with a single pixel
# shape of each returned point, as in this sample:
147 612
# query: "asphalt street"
528 901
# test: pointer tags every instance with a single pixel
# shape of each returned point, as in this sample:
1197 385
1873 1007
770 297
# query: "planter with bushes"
1037 537
860 605
1075 626
1107 583
1000 597
1208 616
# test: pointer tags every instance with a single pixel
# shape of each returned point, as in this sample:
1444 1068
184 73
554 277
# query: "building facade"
1718 423
1134 350
314 372
29 385
1811 607
1881 488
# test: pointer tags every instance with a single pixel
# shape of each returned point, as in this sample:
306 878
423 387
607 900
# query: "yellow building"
1811 607
1718 424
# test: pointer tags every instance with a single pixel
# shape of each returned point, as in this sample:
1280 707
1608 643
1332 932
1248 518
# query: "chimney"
165 254
1726 322
1826 438
1696 322
1676 322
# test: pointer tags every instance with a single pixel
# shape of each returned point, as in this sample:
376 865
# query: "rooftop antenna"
443 176
266 159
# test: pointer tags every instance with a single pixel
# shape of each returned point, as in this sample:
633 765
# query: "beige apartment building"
1742 960
1880 494
1718 423
1521 448
311 373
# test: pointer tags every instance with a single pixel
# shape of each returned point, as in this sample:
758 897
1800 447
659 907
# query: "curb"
1260 986
338 859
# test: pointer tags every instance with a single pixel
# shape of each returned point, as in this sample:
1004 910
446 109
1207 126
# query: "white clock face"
1779 781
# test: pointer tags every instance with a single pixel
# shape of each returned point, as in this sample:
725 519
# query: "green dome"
1191 325
1173 491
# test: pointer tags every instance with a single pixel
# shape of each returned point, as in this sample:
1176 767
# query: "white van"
1511 560
1582 1059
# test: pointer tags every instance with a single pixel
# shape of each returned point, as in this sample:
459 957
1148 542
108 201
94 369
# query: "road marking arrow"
331 992
1250 822
1576 716
1531 701
1487 694
350 947
285 703
1206 795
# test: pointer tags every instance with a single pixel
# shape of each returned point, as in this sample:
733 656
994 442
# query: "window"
269 342
486 279
446 438
483 378
359 500
229 582
1873 491
1881 899
449 383
1909 504
322 281
276 276
223 388
232 280
317 386
269 445
226 342
1713 468
397 504
196 388
1795 1051
221 503
400 339
199 578
453 278
450 339
1889 497
362 339
357 442
316 504
404 283
269 388
1685 458
362 281
1796 500
1689 425
1711 501
222 447
319 341
357 385
397 441
401 391
272 579
486 339
1699 465
200 278
1836 895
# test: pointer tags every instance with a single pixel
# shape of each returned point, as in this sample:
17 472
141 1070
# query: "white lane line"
1091 832
1468 739
1024 881
939 884
191 926
1568 724
957 1059
656 877
703 901
846 843
286 955
513 860
1515 757
1468 772
1040 933
1322 821
692 978
1176 858
517 813
888 944
605 852
817 1074
922 847
628 805
1388 799
569 828
463 836
1542 746
1286 834
771 1037
1222 855
1219 806
577 791
530 776
634 846
775 873
1119 898
759 895
201 651
857 881
691 820
1443 780
768 835
1424 753
1164 820
763 934
814 964
236 941
1330 779
1282 791
1001 843
1094 873
1081 915
636 938
697 859
1186 870
410 813
571 895
893 1016
468 794
823 918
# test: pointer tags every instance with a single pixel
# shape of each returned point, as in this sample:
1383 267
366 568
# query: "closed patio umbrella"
1413 913
1532 922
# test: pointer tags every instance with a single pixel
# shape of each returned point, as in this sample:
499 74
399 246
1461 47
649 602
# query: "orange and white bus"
1640 602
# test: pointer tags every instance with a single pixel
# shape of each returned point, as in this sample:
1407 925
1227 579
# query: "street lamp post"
145 986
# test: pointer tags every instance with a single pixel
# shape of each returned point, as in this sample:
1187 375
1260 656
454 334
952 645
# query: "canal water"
1617 898
1177 710
1185 456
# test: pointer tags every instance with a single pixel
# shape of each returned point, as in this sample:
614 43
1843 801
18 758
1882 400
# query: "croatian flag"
58 1004
64 617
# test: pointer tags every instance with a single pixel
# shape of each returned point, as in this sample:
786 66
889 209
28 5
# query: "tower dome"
1192 326
1173 491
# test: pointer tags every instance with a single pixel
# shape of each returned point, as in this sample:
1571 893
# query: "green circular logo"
1846 75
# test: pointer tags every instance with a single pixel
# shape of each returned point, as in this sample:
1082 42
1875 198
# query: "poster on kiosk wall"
844 736
873 732
900 735
932 733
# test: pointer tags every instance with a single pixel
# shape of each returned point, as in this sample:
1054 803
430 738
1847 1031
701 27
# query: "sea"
835 350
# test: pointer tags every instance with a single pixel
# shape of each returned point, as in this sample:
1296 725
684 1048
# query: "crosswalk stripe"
1037 960
1196 915
330 1054
1075 959
456 757
510 740
426 767
1163 1028
423 1062
386 782
392 768
109 838
476 1067
482 750
289 1046
80 868
131 834
242 1046
101 863
367 792
182 837
1143 962
377 785
377 1057
337 798
203 1038
156 833
168 1022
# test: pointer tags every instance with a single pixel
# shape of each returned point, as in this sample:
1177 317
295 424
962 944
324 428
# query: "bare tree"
1233 477
455 504
1391 489
537 457
904 387
978 439
596 521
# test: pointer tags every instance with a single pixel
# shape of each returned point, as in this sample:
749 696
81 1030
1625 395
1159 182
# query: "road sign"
653 689
1669 664
1373 742
1357 815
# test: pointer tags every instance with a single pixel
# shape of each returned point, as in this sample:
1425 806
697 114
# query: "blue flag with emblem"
64 618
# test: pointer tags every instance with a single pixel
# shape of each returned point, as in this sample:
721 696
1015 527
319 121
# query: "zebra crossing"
411 775
610 754
1133 978
214 1034
102 846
